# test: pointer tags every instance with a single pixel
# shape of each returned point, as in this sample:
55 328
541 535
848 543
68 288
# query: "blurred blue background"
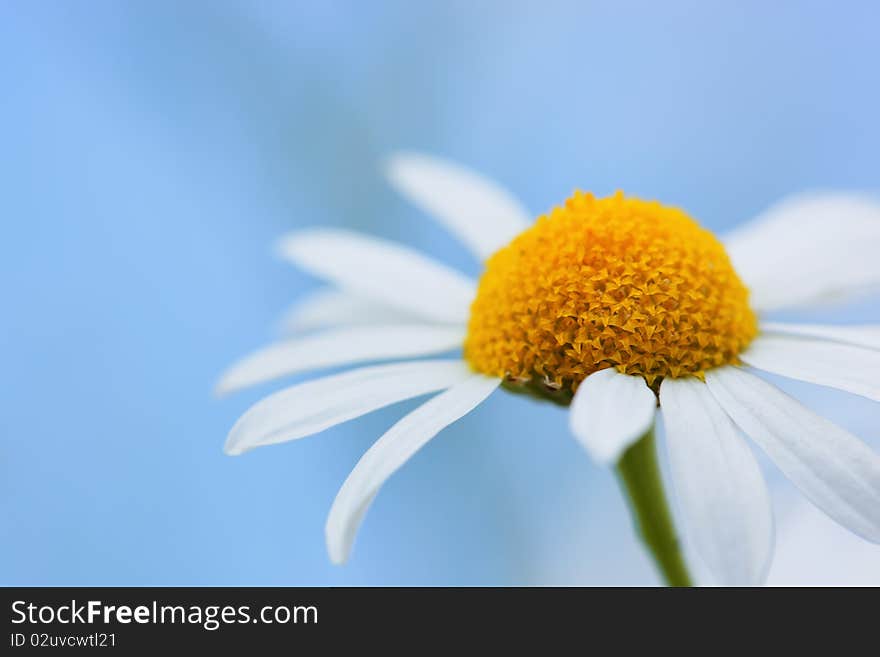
151 153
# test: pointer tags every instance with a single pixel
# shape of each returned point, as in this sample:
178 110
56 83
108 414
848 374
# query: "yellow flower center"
611 282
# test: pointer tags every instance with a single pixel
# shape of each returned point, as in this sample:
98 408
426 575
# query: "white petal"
835 470
854 369
867 335
719 485
329 307
383 271
340 346
809 249
609 412
481 214
307 408
391 451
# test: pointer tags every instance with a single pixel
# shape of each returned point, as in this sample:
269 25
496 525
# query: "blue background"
151 153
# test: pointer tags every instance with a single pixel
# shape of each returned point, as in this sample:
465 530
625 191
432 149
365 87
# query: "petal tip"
598 455
402 169
392 161
285 246
338 549
233 446
337 559
224 386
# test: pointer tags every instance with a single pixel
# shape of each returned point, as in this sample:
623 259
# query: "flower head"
610 306
613 282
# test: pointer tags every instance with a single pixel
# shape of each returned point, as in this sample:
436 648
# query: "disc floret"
608 282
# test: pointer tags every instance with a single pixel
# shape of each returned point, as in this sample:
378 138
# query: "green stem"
640 478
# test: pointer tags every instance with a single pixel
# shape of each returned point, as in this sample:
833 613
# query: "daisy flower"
614 307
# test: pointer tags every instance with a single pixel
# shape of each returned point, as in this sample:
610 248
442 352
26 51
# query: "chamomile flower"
614 307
